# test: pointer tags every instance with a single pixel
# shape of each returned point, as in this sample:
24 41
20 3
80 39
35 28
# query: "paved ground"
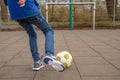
96 55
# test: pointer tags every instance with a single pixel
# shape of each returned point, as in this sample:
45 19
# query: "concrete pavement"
96 55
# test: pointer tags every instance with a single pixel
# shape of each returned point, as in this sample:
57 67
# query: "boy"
26 13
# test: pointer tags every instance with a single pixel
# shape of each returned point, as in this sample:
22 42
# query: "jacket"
30 9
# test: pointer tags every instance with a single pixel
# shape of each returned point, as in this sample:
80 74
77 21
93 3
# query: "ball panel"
65 64
58 58
66 56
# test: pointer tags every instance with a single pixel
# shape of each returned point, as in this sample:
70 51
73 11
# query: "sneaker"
38 65
51 60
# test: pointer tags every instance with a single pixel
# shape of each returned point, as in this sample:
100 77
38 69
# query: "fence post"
94 15
70 15
0 16
114 13
46 12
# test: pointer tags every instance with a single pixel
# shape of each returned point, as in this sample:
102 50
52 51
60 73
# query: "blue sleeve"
5 1
36 3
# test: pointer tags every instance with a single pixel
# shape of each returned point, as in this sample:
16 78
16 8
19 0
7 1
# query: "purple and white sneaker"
51 60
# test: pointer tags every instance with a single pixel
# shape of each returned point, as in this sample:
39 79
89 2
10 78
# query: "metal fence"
107 16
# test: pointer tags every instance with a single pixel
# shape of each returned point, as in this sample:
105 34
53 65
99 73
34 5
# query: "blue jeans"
42 24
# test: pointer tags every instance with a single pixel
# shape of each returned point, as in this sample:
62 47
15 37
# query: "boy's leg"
41 23
33 43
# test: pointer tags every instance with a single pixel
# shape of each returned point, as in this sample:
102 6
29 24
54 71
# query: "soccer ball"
65 58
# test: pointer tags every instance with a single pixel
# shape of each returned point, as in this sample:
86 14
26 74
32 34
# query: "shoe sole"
36 69
58 66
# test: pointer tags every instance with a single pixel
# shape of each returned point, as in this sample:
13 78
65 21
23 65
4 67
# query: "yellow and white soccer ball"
65 58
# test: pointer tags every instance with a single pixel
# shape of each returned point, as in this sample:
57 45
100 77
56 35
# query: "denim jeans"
43 25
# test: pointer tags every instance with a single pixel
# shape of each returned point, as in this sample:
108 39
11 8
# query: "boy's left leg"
33 44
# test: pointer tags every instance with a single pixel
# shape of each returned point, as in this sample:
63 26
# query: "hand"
21 3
